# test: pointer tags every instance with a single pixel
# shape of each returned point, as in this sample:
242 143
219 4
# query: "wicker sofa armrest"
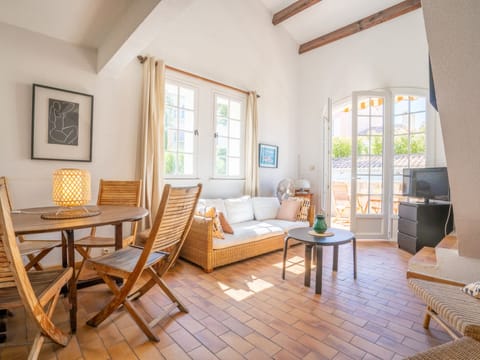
198 246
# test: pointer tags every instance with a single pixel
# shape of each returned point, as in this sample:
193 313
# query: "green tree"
377 145
169 163
400 144
341 147
417 144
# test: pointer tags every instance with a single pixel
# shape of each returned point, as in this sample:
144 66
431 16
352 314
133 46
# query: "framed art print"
268 156
61 124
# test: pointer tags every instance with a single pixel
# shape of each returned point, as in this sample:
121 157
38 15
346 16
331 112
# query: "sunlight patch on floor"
252 287
294 265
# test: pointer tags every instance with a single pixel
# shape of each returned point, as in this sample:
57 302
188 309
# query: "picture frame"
62 124
268 156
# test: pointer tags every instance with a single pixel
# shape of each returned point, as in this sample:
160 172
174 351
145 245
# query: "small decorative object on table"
320 225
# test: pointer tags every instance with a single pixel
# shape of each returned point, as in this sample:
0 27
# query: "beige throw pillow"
289 210
227 229
211 212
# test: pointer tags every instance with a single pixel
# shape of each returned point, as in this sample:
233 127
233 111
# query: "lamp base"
70 213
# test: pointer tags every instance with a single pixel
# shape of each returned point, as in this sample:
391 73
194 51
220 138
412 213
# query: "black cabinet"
421 224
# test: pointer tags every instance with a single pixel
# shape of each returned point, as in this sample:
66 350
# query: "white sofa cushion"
239 210
246 232
218 204
265 207
286 225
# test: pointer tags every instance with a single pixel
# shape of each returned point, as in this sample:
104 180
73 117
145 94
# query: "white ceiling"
87 22
81 22
325 16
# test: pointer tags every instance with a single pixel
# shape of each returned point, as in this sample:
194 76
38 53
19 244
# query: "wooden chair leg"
140 321
33 261
142 290
172 297
36 347
113 305
85 256
426 319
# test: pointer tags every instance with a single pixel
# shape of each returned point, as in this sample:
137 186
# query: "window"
229 132
204 130
410 119
180 125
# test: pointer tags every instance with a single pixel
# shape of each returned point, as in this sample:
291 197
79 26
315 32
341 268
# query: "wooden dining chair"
37 291
111 192
34 250
170 228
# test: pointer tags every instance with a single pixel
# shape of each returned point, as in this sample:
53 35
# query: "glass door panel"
341 166
368 118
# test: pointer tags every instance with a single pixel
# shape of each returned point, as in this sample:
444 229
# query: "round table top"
339 236
29 221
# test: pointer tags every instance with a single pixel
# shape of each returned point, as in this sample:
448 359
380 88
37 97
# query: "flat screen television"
427 183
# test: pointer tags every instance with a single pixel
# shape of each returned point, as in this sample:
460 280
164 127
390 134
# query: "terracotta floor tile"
246 310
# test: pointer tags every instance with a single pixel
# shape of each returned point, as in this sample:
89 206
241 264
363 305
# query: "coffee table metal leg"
308 264
335 258
354 245
285 247
318 278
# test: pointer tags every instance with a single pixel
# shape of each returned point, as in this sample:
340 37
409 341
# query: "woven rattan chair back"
120 192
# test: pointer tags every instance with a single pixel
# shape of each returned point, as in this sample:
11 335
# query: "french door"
370 182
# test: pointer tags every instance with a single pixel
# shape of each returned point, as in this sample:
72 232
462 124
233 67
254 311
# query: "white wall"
393 54
30 58
228 41
235 43
453 32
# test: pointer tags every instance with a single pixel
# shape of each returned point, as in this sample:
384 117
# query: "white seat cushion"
247 231
286 225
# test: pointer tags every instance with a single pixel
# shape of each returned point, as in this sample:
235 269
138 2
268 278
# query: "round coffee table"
338 237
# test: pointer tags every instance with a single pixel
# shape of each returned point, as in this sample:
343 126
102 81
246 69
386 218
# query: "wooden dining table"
29 221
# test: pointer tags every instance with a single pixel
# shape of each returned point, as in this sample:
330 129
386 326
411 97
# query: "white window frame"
185 84
242 100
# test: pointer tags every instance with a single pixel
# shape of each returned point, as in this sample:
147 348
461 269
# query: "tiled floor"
246 311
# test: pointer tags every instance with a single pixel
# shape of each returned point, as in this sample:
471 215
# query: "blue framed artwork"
268 156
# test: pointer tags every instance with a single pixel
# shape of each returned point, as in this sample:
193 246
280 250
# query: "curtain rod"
143 58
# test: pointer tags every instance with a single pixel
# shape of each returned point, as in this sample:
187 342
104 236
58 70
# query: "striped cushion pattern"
459 310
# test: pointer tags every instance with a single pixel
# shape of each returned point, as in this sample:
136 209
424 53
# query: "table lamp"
302 186
71 191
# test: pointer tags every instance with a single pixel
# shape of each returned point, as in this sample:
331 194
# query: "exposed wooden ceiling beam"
292 9
363 24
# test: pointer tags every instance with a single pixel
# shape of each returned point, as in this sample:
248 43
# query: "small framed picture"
268 156
61 124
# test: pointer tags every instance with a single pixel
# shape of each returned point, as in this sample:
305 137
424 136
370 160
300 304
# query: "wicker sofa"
256 230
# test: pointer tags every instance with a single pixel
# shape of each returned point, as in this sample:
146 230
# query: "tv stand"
422 224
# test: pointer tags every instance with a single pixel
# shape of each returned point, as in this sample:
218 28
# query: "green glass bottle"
320 225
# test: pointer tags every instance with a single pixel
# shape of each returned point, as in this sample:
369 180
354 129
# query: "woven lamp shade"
71 187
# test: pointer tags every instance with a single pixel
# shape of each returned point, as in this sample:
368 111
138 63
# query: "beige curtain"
251 146
151 144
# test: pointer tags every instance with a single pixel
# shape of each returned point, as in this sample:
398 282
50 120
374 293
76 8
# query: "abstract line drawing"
62 122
